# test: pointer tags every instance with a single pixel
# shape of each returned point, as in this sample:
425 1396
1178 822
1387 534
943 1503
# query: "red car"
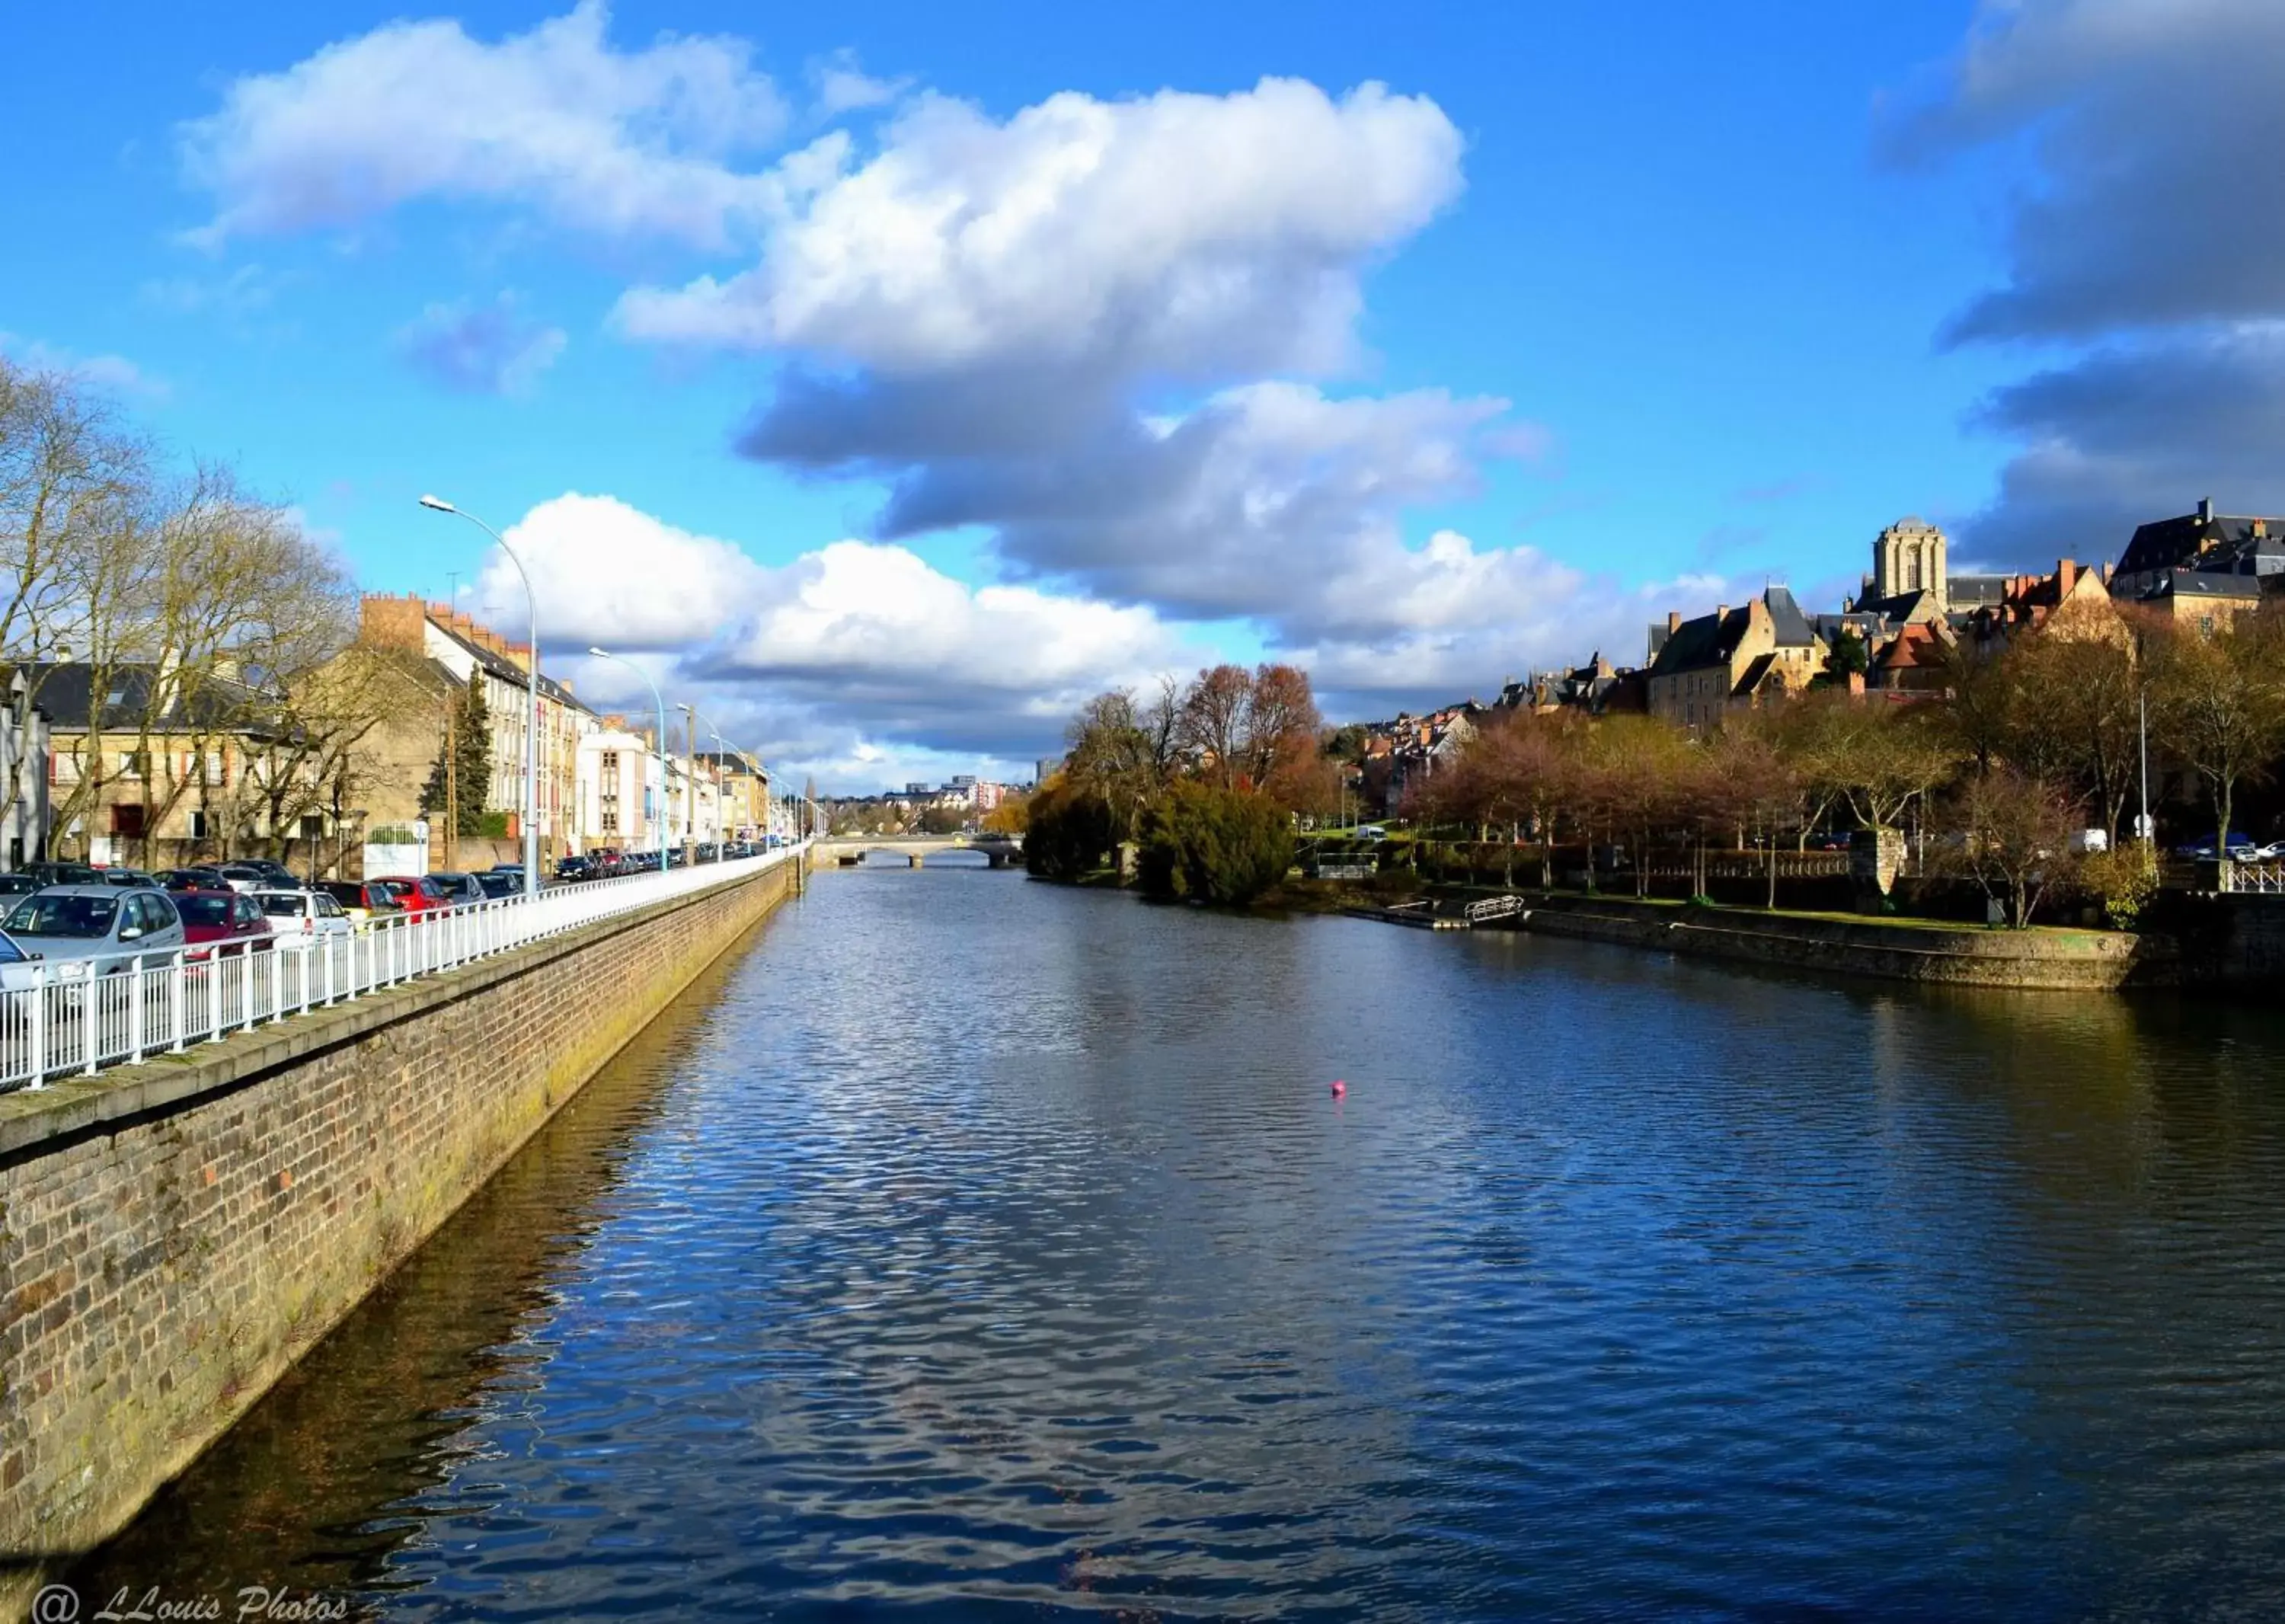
416 894
212 917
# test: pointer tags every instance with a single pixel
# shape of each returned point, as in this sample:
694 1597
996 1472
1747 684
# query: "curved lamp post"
605 654
531 696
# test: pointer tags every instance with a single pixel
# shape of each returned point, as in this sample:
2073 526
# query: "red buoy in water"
1339 1088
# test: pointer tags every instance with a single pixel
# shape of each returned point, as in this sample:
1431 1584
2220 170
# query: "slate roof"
2252 544
1792 625
2206 584
1709 639
1755 674
64 692
507 670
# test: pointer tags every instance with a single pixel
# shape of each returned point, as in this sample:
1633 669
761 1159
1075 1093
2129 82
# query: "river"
973 1248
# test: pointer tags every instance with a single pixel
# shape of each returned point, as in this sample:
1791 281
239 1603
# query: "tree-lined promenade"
2028 744
1995 778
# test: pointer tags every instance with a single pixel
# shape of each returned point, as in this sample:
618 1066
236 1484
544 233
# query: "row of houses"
1898 633
1896 636
136 763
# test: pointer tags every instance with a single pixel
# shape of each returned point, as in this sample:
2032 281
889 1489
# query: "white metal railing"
1494 907
77 1017
2268 877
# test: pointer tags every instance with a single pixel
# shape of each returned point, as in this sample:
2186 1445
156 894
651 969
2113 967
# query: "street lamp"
696 717
531 696
604 653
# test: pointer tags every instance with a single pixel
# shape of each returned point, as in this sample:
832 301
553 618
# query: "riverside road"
972 1248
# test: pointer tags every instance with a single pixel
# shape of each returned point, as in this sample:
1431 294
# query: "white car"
67 931
298 919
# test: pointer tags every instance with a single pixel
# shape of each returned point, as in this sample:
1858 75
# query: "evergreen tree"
470 744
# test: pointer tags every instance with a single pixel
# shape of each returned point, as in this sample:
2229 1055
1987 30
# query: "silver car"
77 926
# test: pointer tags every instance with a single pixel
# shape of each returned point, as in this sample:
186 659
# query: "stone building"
2072 600
461 652
1746 657
151 767
2202 542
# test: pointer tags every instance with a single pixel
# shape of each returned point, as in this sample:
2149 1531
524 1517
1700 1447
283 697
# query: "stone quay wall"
174 1235
2071 961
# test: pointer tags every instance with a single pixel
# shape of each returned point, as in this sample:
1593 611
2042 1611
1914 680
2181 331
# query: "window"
313 826
133 763
198 825
126 821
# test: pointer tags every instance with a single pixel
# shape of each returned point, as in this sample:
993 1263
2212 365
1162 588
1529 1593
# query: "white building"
619 793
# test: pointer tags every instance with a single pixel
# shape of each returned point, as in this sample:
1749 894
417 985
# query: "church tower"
1909 558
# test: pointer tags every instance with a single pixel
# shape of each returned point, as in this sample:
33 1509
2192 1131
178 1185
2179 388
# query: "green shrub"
1071 833
2121 883
1214 845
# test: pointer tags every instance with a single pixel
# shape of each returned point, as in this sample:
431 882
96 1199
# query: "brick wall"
174 1235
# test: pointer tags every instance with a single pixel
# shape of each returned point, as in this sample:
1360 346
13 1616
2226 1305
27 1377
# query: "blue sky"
1049 346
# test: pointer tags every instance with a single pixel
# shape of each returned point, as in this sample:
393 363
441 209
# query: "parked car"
575 869
2242 847
301 918
127 877
259 874
65 924
64 874
458 889
197 877
416 894
497 885
364 901
220 920
17 884
2269 853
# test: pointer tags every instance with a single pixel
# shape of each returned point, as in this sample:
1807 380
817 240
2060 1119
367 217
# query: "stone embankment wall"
174 1235
2052 960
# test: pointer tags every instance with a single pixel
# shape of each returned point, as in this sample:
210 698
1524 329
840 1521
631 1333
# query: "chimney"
1722 614
2205 510
1673 621
2066 574
1855 684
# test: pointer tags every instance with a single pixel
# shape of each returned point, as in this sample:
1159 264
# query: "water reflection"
994 1249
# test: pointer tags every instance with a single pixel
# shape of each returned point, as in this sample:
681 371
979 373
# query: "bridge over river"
848 850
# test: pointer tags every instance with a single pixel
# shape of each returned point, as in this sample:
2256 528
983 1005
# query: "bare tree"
2221 702
72 486
2014 839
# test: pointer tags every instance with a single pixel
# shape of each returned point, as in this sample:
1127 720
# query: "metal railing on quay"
77 1017
2264 878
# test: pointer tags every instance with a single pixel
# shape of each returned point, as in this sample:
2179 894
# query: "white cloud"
490 349
611 573
1196 235
618 142
840 86
110 373
853 642
874 616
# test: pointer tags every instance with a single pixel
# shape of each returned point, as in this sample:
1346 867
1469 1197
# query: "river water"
972 1248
